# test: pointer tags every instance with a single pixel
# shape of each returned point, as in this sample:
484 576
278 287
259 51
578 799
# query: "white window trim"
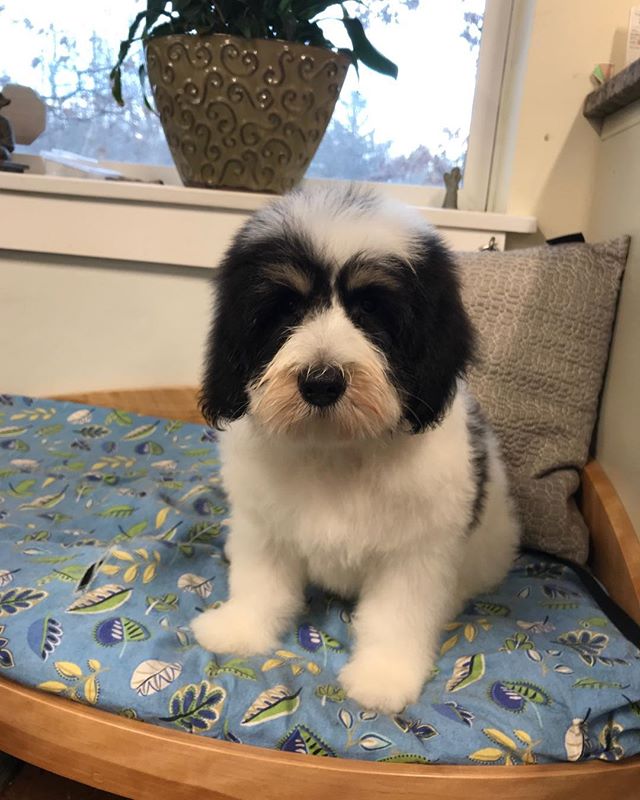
171 225
496 32
224 200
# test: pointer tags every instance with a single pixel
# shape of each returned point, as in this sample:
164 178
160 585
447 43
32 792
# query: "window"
441 112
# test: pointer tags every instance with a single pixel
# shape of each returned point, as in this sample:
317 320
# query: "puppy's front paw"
233 629
380 682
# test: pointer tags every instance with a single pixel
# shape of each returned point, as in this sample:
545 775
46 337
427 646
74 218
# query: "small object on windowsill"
27 114
87 167
451 181
125 179
13 166
7 142
490 246
601 74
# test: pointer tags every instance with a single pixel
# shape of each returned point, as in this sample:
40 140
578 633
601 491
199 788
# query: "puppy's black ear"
226 373
442 343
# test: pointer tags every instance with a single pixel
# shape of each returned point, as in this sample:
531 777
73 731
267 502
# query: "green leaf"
634 705
154 10
466 670
93 431
595 622
364 51
173 425
117 511
135 530
330 642
50 559
140 433
519 641
167 602
529 691
106 598
203 532
48 430
309 10
491 609
142 74
19 599
404 758
271 704
116 630
235 667
196 707
116 74
121 417
23 488
334 694
592 683
46 501
72 573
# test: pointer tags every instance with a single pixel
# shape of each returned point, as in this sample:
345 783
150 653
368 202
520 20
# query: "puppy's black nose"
322 386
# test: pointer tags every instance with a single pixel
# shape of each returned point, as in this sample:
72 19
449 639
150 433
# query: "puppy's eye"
368 305
366 301
289 301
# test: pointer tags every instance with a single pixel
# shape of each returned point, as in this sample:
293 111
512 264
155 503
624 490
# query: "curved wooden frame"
146 762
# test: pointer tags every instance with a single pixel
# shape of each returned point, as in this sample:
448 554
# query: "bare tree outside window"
409 131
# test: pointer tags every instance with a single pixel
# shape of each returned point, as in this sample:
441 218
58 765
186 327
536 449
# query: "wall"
615 211
551 160
104 293
68 324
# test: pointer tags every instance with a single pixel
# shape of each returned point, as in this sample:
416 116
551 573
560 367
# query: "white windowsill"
225 200
55 210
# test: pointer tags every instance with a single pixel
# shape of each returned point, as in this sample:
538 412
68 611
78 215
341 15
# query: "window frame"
479 162
474 191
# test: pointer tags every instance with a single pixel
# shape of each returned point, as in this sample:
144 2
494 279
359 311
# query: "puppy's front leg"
398 622
265 594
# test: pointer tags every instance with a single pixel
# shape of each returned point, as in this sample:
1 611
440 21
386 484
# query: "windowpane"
416 128
65 50
407 131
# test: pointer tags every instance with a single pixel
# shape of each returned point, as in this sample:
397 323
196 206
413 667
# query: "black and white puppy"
355 457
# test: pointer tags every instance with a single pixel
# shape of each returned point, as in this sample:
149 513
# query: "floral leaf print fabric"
112 533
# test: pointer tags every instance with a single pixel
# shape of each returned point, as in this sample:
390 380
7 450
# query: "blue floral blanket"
112 529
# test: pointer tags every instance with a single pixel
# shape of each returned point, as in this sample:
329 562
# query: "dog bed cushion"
544 316
112 529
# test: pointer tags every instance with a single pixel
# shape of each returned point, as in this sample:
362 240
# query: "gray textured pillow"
544 317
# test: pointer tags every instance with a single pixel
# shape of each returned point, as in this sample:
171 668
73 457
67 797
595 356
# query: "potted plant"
244 89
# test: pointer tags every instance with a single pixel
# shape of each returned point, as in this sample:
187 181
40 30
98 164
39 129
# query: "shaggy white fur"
348 497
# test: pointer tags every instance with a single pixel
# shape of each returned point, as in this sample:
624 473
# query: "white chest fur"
340 507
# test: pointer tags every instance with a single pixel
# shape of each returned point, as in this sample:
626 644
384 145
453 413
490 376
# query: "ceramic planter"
243 113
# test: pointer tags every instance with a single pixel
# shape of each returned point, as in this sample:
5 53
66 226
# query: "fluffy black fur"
418 321
252 317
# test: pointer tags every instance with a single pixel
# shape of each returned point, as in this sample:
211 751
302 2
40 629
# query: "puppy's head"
337 315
